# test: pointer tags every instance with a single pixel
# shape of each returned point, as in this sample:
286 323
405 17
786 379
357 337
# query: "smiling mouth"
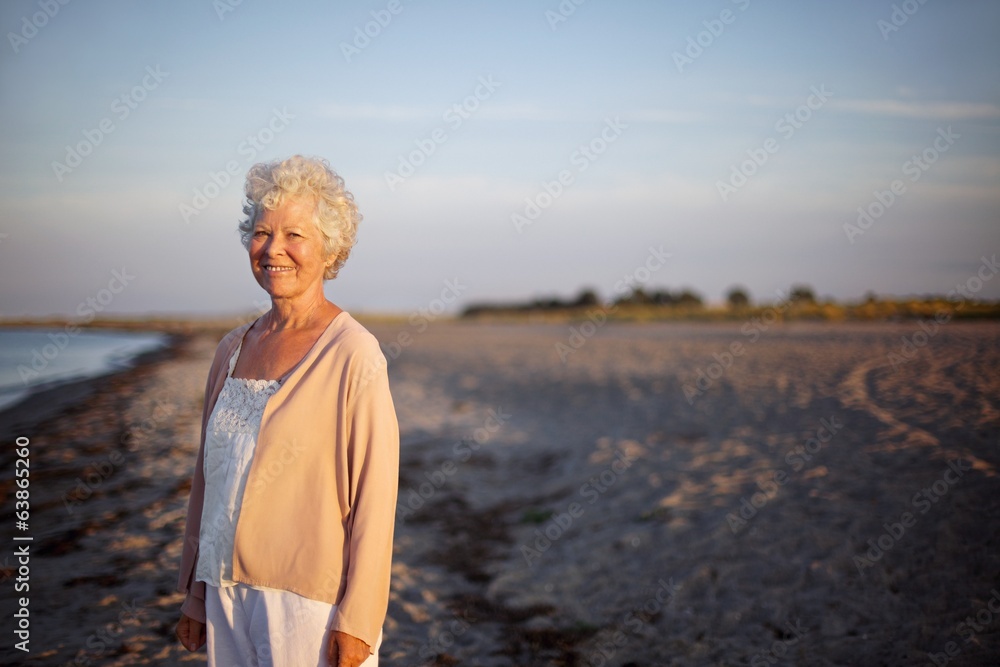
276 269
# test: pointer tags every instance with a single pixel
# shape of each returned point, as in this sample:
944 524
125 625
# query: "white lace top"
230 440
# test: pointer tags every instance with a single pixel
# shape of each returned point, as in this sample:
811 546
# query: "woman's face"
286 250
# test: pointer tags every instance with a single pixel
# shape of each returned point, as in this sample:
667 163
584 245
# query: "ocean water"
32 359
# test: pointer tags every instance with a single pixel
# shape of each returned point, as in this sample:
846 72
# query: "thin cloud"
667 116
525 112
398 114
189 103
919 109
393 114
900 108
533 113
504 113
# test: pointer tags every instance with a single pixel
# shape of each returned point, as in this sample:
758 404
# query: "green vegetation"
800 303
536 516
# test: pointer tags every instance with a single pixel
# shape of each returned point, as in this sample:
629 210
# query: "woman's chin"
274 285
276 292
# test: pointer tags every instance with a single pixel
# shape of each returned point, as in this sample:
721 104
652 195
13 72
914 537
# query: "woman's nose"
272 246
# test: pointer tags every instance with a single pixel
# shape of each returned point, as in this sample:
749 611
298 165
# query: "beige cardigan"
318 513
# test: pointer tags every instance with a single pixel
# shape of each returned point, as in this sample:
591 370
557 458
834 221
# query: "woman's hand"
190 632
346 651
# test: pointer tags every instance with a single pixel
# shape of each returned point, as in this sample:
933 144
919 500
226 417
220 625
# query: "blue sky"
200 78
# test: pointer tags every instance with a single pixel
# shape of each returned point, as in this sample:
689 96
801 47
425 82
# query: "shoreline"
110 461
404 321
53 400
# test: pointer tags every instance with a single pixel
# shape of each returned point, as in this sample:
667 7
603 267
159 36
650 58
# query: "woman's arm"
373 460
193 607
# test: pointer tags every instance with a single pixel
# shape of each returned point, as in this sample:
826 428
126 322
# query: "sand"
816 495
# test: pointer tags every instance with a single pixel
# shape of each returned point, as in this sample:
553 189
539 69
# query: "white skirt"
253 627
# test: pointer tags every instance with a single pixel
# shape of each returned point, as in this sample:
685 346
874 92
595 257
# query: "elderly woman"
289 529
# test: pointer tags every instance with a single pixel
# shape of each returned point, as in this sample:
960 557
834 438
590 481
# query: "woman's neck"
300 313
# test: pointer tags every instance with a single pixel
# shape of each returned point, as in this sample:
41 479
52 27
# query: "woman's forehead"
289 214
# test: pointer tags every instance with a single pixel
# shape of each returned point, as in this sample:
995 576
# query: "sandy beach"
612 494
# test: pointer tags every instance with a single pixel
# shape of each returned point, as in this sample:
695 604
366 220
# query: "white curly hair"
336 215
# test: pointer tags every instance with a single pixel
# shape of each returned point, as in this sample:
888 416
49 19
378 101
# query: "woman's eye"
260 232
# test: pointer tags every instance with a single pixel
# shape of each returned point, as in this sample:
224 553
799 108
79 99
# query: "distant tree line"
799 302
688 299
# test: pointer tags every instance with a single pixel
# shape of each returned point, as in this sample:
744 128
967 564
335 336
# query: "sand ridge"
587 512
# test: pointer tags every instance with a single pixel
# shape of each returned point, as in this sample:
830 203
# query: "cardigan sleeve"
373 459
194 602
